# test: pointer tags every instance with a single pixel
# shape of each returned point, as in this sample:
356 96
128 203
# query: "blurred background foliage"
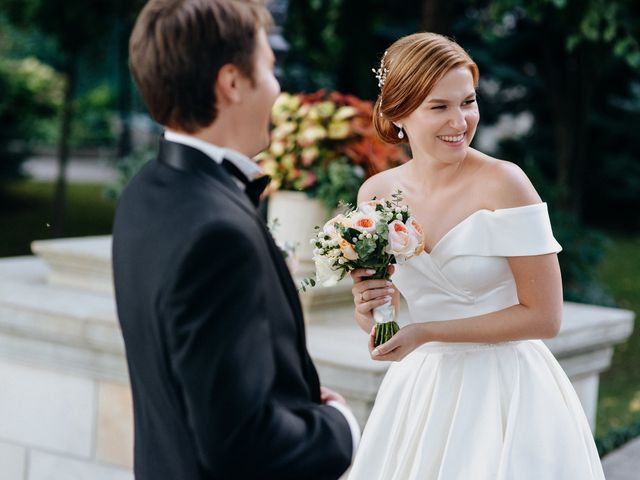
32 94
559 95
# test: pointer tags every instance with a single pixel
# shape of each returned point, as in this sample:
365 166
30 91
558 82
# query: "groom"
223 386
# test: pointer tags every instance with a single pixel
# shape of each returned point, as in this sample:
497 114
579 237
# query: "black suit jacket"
223 386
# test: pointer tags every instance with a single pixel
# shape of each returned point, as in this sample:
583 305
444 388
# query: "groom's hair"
178 47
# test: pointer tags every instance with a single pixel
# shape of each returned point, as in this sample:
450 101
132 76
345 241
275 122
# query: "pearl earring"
400 133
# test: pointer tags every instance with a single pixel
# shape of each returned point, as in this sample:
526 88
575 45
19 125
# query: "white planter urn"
295 216
292 217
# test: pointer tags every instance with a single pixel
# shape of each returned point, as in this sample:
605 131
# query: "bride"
473 394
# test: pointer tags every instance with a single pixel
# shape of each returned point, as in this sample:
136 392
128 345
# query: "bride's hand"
405 341
369 294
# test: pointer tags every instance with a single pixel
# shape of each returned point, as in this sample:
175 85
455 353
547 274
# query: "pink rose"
365 223
416 231
401 242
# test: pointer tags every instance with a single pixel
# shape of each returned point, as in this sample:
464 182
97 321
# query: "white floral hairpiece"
381 72
381 75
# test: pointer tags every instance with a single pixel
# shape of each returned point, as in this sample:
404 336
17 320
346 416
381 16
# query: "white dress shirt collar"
248 167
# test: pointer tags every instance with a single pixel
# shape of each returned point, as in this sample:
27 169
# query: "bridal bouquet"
372 236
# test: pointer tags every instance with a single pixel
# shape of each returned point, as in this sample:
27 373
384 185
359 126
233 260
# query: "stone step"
83 263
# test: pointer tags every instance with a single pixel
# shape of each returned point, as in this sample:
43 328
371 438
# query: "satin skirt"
477 412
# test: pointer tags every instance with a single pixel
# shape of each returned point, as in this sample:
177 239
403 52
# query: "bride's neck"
432 174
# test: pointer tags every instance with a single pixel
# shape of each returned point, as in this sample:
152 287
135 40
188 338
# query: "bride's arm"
537 315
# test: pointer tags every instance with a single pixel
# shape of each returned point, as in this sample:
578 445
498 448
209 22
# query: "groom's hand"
327 395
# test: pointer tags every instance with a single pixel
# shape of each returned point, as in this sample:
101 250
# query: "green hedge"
617 437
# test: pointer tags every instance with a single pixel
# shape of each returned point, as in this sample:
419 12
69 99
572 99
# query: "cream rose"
347 250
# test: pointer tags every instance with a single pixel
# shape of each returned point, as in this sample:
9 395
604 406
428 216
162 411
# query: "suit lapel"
188 159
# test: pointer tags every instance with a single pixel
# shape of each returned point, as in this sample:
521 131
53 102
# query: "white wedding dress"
462 411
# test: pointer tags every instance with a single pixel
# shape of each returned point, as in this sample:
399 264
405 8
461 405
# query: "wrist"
426 333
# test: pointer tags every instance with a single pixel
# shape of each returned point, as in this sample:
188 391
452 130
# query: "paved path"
624 463
79 170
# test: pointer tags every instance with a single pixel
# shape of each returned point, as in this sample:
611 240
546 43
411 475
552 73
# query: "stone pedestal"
292 218
65 404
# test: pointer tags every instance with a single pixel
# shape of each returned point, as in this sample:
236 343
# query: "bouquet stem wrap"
384 316
386 326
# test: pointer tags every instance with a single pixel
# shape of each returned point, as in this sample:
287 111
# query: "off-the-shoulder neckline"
482 210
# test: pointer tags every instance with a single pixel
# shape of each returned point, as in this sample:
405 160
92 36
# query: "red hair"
414 64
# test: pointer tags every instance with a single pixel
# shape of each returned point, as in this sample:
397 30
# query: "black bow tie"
254 188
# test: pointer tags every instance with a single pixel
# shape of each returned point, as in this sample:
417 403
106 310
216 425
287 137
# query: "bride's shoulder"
505 184
380 185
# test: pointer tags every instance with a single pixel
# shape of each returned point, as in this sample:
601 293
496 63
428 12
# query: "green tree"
571 45
78 28
336 43
31 93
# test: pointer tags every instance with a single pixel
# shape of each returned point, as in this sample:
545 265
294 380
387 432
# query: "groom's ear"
228 86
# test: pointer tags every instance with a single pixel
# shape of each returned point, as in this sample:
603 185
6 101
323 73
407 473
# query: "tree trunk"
358 54
59 206
570 79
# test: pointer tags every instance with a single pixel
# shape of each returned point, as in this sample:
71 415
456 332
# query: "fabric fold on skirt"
477 411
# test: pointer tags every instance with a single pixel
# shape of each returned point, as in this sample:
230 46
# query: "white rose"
369 207
330 227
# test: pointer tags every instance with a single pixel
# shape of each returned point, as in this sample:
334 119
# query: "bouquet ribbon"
384 313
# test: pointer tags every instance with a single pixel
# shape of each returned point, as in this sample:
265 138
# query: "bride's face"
443 126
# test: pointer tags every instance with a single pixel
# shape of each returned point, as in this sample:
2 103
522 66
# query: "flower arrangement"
372 236
325 144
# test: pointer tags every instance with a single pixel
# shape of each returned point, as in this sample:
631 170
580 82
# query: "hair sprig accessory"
381 72
381 75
